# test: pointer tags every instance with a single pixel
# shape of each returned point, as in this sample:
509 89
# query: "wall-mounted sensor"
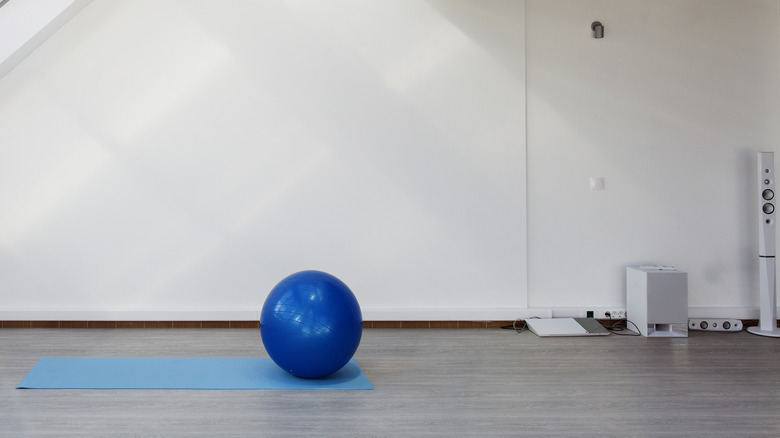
598 29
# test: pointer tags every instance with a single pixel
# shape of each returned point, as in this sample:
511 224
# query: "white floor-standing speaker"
767 325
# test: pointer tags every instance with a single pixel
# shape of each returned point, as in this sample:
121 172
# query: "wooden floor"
428 382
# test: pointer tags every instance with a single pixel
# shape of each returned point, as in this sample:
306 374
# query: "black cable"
515 323
615 329
612 326
514 326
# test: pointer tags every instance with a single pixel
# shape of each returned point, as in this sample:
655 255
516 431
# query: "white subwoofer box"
657 301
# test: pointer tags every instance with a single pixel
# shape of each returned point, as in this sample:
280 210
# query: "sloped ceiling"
29 24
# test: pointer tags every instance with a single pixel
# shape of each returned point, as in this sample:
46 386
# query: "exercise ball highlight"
311 324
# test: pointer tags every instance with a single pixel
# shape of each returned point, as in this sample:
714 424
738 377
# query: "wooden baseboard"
435 324
239 324
255 324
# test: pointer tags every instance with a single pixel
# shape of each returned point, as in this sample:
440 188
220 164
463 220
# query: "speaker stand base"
756 330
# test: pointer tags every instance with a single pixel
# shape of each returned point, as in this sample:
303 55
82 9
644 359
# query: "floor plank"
428 382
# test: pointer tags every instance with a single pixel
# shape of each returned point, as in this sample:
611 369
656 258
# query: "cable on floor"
516 323
615 328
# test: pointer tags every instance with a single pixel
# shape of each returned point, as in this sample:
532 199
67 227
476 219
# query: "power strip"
715 325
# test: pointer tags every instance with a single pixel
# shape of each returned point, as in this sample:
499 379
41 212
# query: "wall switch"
597 183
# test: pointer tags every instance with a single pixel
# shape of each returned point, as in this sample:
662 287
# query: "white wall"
177 164
670 107
175 159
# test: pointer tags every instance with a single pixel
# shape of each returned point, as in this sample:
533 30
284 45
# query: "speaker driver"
768 194
769 208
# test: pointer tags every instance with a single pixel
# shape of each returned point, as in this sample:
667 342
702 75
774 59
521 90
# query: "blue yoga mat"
180 373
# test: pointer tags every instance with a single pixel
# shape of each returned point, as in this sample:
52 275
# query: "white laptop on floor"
566 327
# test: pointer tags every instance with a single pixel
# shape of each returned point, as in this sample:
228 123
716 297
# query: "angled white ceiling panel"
26 24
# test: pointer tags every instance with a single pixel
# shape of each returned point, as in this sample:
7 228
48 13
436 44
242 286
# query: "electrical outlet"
607 313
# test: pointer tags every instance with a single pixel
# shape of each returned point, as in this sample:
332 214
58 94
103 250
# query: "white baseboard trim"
369 314
693 312
724 312
130 315
454 314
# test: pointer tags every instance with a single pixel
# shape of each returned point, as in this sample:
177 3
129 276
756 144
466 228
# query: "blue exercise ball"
311 324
